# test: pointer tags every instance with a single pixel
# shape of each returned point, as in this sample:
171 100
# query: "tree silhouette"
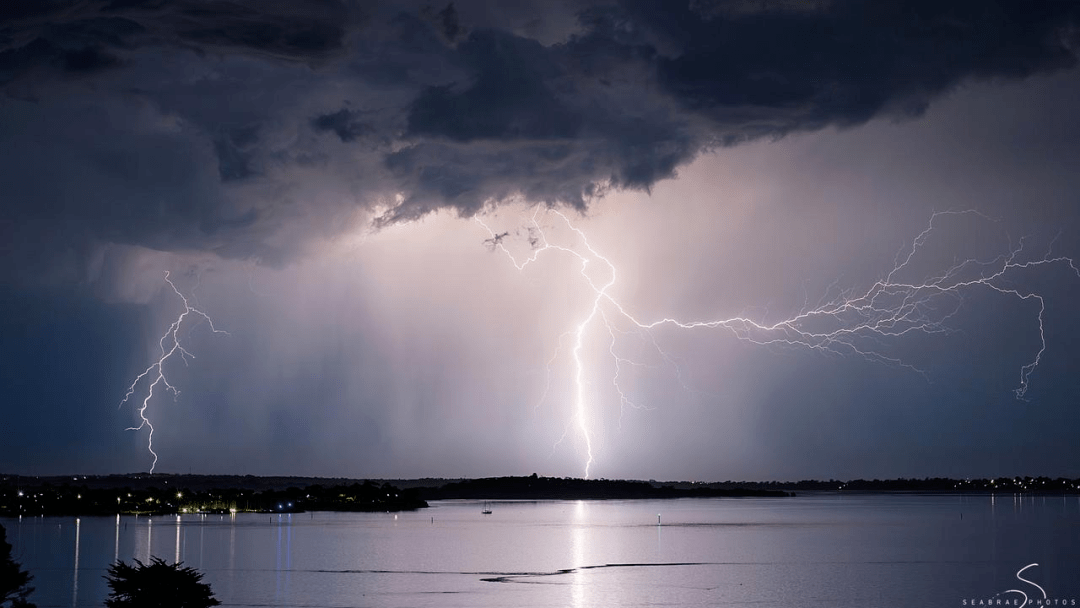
157 585
14 581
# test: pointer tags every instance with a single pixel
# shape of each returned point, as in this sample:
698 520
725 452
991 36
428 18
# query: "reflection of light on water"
284 555
116 545
177 559
277 580
141 550
578 534
659 547
288 552
232 545
75 582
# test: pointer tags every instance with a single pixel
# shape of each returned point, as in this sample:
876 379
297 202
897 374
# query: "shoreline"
159 494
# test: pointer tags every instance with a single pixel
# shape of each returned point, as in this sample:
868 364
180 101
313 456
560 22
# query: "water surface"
826 549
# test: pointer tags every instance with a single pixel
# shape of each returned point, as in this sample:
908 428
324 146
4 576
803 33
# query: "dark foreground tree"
14 581
157 585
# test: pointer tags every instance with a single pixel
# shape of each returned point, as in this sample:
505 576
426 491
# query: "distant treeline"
566 488
1007 485
166 494
46 498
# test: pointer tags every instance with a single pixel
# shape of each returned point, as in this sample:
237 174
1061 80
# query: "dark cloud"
233 152
195 125
304 32
344 123
88 59
495 240
71 49
850 62
447 23
510 97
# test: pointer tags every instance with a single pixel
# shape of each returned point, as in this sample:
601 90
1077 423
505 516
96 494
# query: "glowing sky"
311 178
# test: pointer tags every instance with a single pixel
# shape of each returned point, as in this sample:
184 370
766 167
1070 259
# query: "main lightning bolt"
859 323
171 345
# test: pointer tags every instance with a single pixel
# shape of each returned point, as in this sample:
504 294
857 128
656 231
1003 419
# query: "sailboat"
487 510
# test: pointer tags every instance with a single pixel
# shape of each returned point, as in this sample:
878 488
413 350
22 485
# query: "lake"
824 549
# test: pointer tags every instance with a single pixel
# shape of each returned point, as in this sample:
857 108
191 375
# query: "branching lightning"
171 345
860 323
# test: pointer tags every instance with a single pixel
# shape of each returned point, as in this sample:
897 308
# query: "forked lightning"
171 345
853 323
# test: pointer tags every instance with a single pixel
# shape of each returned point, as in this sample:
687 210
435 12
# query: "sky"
708 240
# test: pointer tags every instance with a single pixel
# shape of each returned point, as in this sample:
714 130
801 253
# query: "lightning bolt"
852 323
171 345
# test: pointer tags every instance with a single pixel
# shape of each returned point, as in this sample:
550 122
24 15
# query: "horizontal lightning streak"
849 324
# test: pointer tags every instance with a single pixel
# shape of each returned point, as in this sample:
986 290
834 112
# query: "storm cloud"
310 172
250 130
